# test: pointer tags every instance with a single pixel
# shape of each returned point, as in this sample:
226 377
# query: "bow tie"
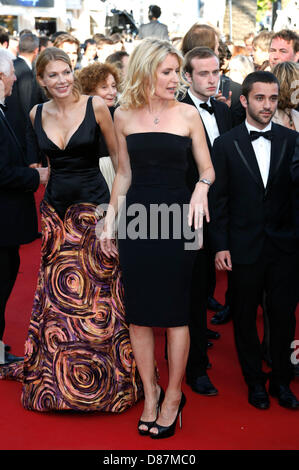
207 107
3 107
255 135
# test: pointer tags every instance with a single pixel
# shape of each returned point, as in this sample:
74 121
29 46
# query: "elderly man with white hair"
17 206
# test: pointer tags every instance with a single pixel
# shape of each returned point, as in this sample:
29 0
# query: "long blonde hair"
50 54
140 80
288 77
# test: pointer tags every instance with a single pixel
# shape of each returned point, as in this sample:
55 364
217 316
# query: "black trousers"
9 267
198 358
275 274
211 274
211 277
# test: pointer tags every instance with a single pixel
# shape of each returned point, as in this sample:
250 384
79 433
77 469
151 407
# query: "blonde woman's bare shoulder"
121 115
122 112
188 110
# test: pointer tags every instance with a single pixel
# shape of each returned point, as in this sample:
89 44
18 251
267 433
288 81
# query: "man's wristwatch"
204 180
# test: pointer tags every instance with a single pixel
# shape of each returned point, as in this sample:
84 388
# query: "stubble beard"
258 118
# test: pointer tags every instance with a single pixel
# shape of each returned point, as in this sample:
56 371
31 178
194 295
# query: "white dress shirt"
209 120
262 150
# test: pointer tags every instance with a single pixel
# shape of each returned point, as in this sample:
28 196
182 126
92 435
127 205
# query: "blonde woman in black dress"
154 131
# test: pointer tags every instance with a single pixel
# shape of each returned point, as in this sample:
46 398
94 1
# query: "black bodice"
75 176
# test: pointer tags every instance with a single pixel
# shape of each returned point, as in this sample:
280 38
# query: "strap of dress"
90 110
38 118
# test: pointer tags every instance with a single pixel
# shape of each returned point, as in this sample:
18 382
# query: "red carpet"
226 421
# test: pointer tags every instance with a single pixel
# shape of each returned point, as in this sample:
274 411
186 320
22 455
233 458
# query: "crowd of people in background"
216 72
260 51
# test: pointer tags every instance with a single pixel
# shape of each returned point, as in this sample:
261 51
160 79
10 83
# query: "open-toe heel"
168 431
150 424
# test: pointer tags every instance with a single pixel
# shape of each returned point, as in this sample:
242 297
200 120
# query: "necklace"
156 118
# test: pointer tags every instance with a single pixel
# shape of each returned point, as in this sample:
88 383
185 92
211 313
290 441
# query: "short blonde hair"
141 77
287 74
51 54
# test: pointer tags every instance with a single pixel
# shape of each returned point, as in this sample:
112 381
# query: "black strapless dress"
78 354
156 267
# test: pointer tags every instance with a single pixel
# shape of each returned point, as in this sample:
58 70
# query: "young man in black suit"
253 235
17 206
202 71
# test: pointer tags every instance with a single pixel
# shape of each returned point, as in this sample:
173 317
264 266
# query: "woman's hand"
107 241
199 206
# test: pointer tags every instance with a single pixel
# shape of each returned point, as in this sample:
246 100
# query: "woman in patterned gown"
78 354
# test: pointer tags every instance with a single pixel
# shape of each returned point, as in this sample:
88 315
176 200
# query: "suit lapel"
247 154
278 148
218 116
187 99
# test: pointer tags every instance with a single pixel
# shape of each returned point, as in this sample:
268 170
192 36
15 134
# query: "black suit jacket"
243 212
17 184
224 123
25 94
238 113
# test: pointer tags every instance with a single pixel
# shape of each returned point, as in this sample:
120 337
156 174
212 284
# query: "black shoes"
202 385
211 334
150 424
258 397
168 431
285 396
222 316
213 304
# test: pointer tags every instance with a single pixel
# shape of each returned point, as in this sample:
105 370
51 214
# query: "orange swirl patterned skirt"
78 354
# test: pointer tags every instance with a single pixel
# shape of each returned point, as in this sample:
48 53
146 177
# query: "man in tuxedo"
200 64
17 206
26 92
253 235
201 69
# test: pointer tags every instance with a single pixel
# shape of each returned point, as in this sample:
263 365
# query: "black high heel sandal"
168 431
150 424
